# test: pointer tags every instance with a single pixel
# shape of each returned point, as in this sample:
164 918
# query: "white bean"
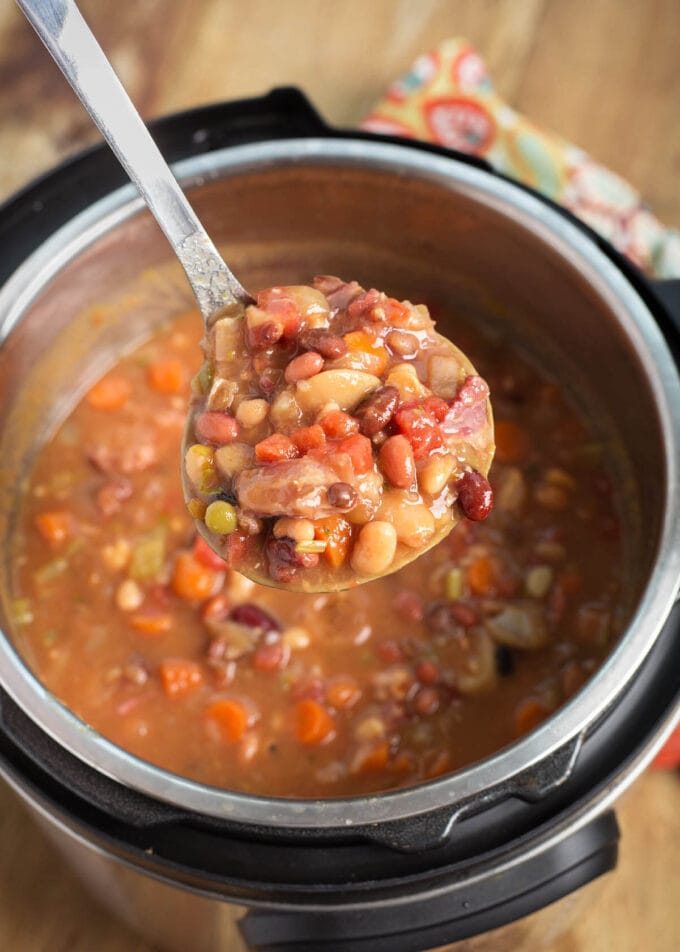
374 549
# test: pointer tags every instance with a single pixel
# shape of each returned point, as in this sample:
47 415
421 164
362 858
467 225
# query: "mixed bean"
135 623
335 436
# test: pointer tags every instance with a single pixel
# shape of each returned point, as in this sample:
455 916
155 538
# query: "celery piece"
148 554
50 571
22 613
454 584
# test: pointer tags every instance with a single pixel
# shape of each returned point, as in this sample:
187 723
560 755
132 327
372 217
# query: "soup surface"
150 638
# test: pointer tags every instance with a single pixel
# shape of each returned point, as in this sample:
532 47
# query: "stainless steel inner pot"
391 217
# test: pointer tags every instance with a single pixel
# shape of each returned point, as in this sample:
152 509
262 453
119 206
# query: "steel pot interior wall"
412 234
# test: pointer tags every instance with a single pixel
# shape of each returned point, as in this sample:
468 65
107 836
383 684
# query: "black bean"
505 661
342 496
376 411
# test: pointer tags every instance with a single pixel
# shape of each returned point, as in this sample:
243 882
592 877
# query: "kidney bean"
426 701
254 617
217 427
389 651
283 560
342 496
329 345
304 366
396 461
475 496
427 672
464 614
409 604
376 411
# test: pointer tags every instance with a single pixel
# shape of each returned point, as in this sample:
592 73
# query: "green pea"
220 517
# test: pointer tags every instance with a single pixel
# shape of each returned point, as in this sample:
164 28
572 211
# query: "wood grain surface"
605 73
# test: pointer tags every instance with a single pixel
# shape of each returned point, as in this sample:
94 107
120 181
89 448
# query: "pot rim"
567 728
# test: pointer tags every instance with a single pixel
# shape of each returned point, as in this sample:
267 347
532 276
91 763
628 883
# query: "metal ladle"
71 43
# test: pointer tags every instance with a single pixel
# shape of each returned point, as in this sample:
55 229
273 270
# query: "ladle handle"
61 27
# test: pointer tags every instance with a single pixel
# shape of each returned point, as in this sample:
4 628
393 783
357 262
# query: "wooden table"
604 73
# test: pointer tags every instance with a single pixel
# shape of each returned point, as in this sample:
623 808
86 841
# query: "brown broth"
429 695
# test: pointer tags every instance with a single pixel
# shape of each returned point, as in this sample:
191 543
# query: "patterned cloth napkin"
447 97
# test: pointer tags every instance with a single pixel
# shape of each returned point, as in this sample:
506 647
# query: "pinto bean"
396 461
304 366
401 343
376 411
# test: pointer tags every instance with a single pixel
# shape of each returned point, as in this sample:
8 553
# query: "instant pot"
286 196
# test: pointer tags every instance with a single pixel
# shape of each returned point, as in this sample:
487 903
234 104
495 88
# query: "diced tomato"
312 722
337 424
235 547
207 556
308 438
179 676
230 716
669 755
274 448
166 376
421 429
336 532
55 526
437 407
359 449
278 303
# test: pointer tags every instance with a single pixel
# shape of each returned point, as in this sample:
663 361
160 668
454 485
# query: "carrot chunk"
55 526
338 424
528 715
191 579
231 718
372 759
110 393
481 577
372 351
336 532
343 692
166 376
151 623
512 442
179 676
308 438
313 723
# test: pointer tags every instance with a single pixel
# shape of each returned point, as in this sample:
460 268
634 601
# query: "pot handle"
457 910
